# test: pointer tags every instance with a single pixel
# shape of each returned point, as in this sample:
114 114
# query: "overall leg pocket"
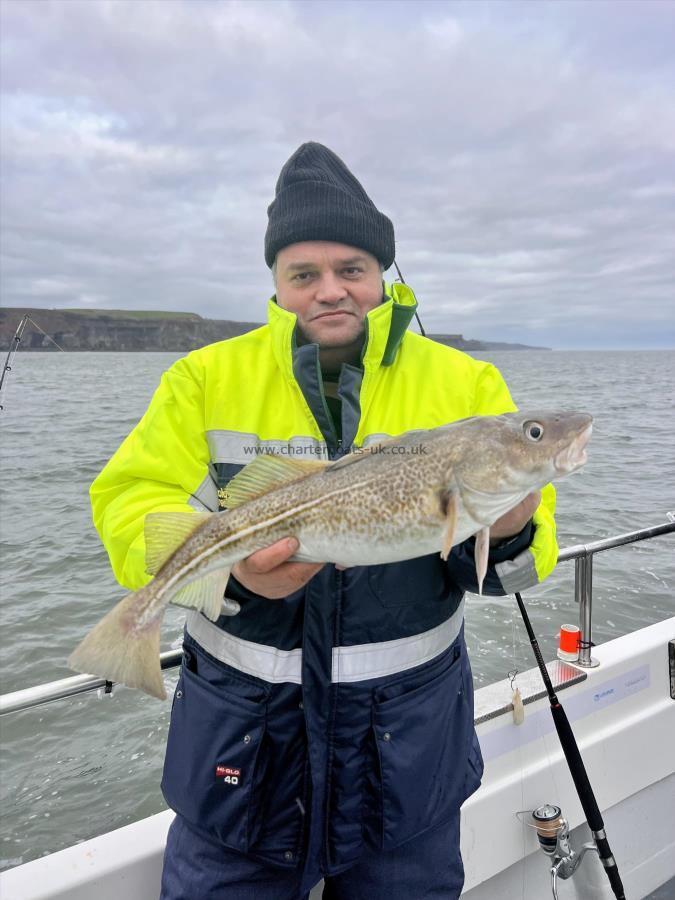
474 771
212 757
423 738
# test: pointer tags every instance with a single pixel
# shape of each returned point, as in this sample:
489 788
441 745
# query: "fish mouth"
574 455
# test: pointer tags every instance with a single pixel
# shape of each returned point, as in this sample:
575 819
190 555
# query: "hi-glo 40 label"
228 775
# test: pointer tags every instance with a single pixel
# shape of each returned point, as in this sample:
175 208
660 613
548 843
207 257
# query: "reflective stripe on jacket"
347 707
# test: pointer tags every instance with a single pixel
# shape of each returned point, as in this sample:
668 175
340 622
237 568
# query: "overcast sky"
524 151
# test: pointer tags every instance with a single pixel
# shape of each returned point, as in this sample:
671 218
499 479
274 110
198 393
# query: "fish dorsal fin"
351 458
362 453
165 532
264 474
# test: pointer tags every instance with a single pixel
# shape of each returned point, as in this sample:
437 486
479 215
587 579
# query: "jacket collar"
385 327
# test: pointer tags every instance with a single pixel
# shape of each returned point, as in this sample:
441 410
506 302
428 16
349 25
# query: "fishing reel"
553 835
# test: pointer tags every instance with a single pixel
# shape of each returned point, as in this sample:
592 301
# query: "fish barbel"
406 497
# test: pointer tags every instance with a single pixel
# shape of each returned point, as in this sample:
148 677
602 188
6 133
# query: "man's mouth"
333 315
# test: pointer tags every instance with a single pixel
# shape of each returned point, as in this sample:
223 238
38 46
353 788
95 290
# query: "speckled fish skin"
389 503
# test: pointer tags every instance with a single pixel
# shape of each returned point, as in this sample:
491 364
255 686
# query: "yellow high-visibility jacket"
345 709
216 404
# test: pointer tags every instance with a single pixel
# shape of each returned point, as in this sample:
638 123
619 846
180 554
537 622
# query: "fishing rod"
14 346
402 280
550 815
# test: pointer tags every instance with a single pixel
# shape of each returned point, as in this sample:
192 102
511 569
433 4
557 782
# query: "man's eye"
302 276
352 270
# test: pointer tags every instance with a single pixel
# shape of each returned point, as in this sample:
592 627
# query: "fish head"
523 451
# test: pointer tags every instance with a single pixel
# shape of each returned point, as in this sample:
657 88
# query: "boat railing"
583 594
583 555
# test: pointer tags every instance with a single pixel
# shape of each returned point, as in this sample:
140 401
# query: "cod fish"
405 497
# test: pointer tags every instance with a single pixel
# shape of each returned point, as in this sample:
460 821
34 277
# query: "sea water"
83 766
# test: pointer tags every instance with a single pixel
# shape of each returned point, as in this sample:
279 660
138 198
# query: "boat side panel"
624 721
125 863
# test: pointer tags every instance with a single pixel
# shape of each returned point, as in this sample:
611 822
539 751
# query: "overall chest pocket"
214 759
410 582
423 741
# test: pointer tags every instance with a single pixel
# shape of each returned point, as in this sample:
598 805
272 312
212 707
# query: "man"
323 726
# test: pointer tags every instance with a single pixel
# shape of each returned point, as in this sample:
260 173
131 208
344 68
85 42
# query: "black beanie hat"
318 199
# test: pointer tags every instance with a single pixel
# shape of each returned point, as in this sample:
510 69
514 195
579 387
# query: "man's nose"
330 288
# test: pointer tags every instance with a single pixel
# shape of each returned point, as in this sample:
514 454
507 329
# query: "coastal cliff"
126 330
116 329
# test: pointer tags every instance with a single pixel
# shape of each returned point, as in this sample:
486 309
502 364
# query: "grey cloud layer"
524 152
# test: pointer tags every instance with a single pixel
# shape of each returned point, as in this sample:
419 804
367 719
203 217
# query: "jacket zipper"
333 443
331 724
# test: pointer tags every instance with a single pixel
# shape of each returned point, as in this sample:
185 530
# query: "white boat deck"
623 716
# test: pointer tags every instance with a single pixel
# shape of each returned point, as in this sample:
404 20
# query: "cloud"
524 152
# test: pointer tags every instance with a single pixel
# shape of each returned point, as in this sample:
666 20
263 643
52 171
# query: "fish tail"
124 648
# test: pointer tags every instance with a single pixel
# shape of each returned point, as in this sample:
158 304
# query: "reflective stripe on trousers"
355 663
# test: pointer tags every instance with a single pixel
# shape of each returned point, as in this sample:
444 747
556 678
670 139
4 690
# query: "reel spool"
553 834
549 824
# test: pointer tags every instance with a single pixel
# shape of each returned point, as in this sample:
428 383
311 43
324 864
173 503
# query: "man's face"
330 287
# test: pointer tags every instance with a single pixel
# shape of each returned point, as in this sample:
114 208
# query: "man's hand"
515 519
267 573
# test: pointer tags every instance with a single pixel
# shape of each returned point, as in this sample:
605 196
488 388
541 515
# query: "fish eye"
533 430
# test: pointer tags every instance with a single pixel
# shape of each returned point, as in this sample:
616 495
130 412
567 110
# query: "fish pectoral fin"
205 594
264 474
481 552
449 501
165 532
